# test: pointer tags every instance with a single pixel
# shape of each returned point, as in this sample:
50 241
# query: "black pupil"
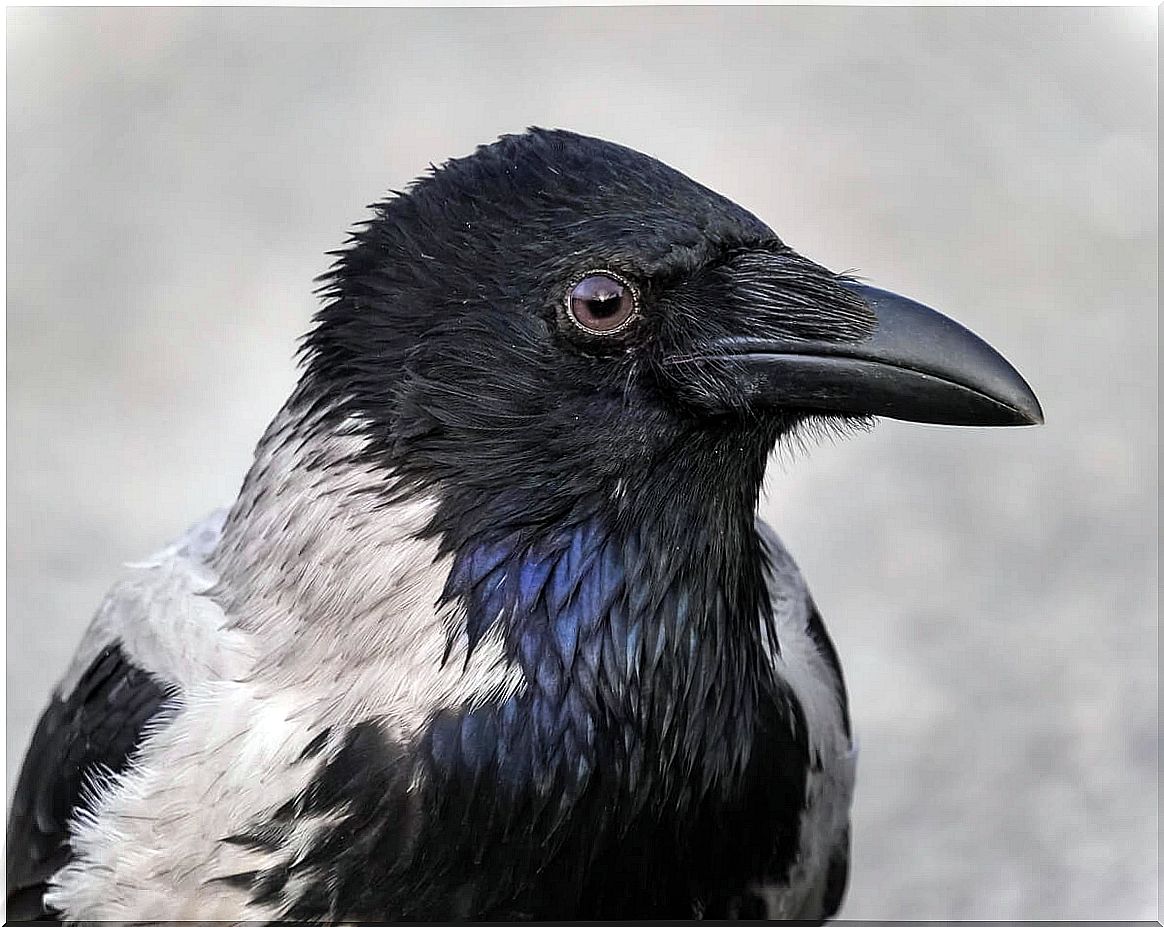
603 306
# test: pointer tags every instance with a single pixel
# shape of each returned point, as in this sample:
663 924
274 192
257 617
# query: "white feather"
163 620
318 608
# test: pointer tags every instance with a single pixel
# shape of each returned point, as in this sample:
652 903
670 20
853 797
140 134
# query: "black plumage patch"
837 879
459 846
317 743
93 730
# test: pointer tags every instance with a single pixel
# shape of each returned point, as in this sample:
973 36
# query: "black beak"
917 365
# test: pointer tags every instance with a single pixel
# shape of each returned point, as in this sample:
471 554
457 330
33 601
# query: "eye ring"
593 306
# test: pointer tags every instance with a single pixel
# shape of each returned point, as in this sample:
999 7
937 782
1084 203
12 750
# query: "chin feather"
806 433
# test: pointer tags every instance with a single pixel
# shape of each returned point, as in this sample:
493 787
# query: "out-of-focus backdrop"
176 175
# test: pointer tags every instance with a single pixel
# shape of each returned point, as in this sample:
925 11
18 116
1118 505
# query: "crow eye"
601 303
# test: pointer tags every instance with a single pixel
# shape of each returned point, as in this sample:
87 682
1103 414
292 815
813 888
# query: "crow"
492 629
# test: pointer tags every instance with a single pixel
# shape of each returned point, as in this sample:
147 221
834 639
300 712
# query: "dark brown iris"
601 304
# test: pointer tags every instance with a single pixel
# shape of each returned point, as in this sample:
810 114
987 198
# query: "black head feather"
444 333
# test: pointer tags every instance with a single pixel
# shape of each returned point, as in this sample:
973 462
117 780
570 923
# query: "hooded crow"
492 629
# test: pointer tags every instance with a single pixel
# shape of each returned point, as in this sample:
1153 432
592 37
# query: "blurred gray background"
176 175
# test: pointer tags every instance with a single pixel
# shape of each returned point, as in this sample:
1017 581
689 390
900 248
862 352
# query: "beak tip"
970 382
1026 405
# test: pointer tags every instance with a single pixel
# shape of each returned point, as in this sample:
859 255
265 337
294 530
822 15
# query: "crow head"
557 324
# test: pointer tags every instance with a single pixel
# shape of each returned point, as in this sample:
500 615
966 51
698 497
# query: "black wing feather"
837 879
96 726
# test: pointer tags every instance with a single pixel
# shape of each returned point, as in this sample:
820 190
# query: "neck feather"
641 609
639 626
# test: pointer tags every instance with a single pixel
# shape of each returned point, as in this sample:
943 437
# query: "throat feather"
640 657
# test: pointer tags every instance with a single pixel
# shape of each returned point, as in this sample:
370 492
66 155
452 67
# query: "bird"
493 629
